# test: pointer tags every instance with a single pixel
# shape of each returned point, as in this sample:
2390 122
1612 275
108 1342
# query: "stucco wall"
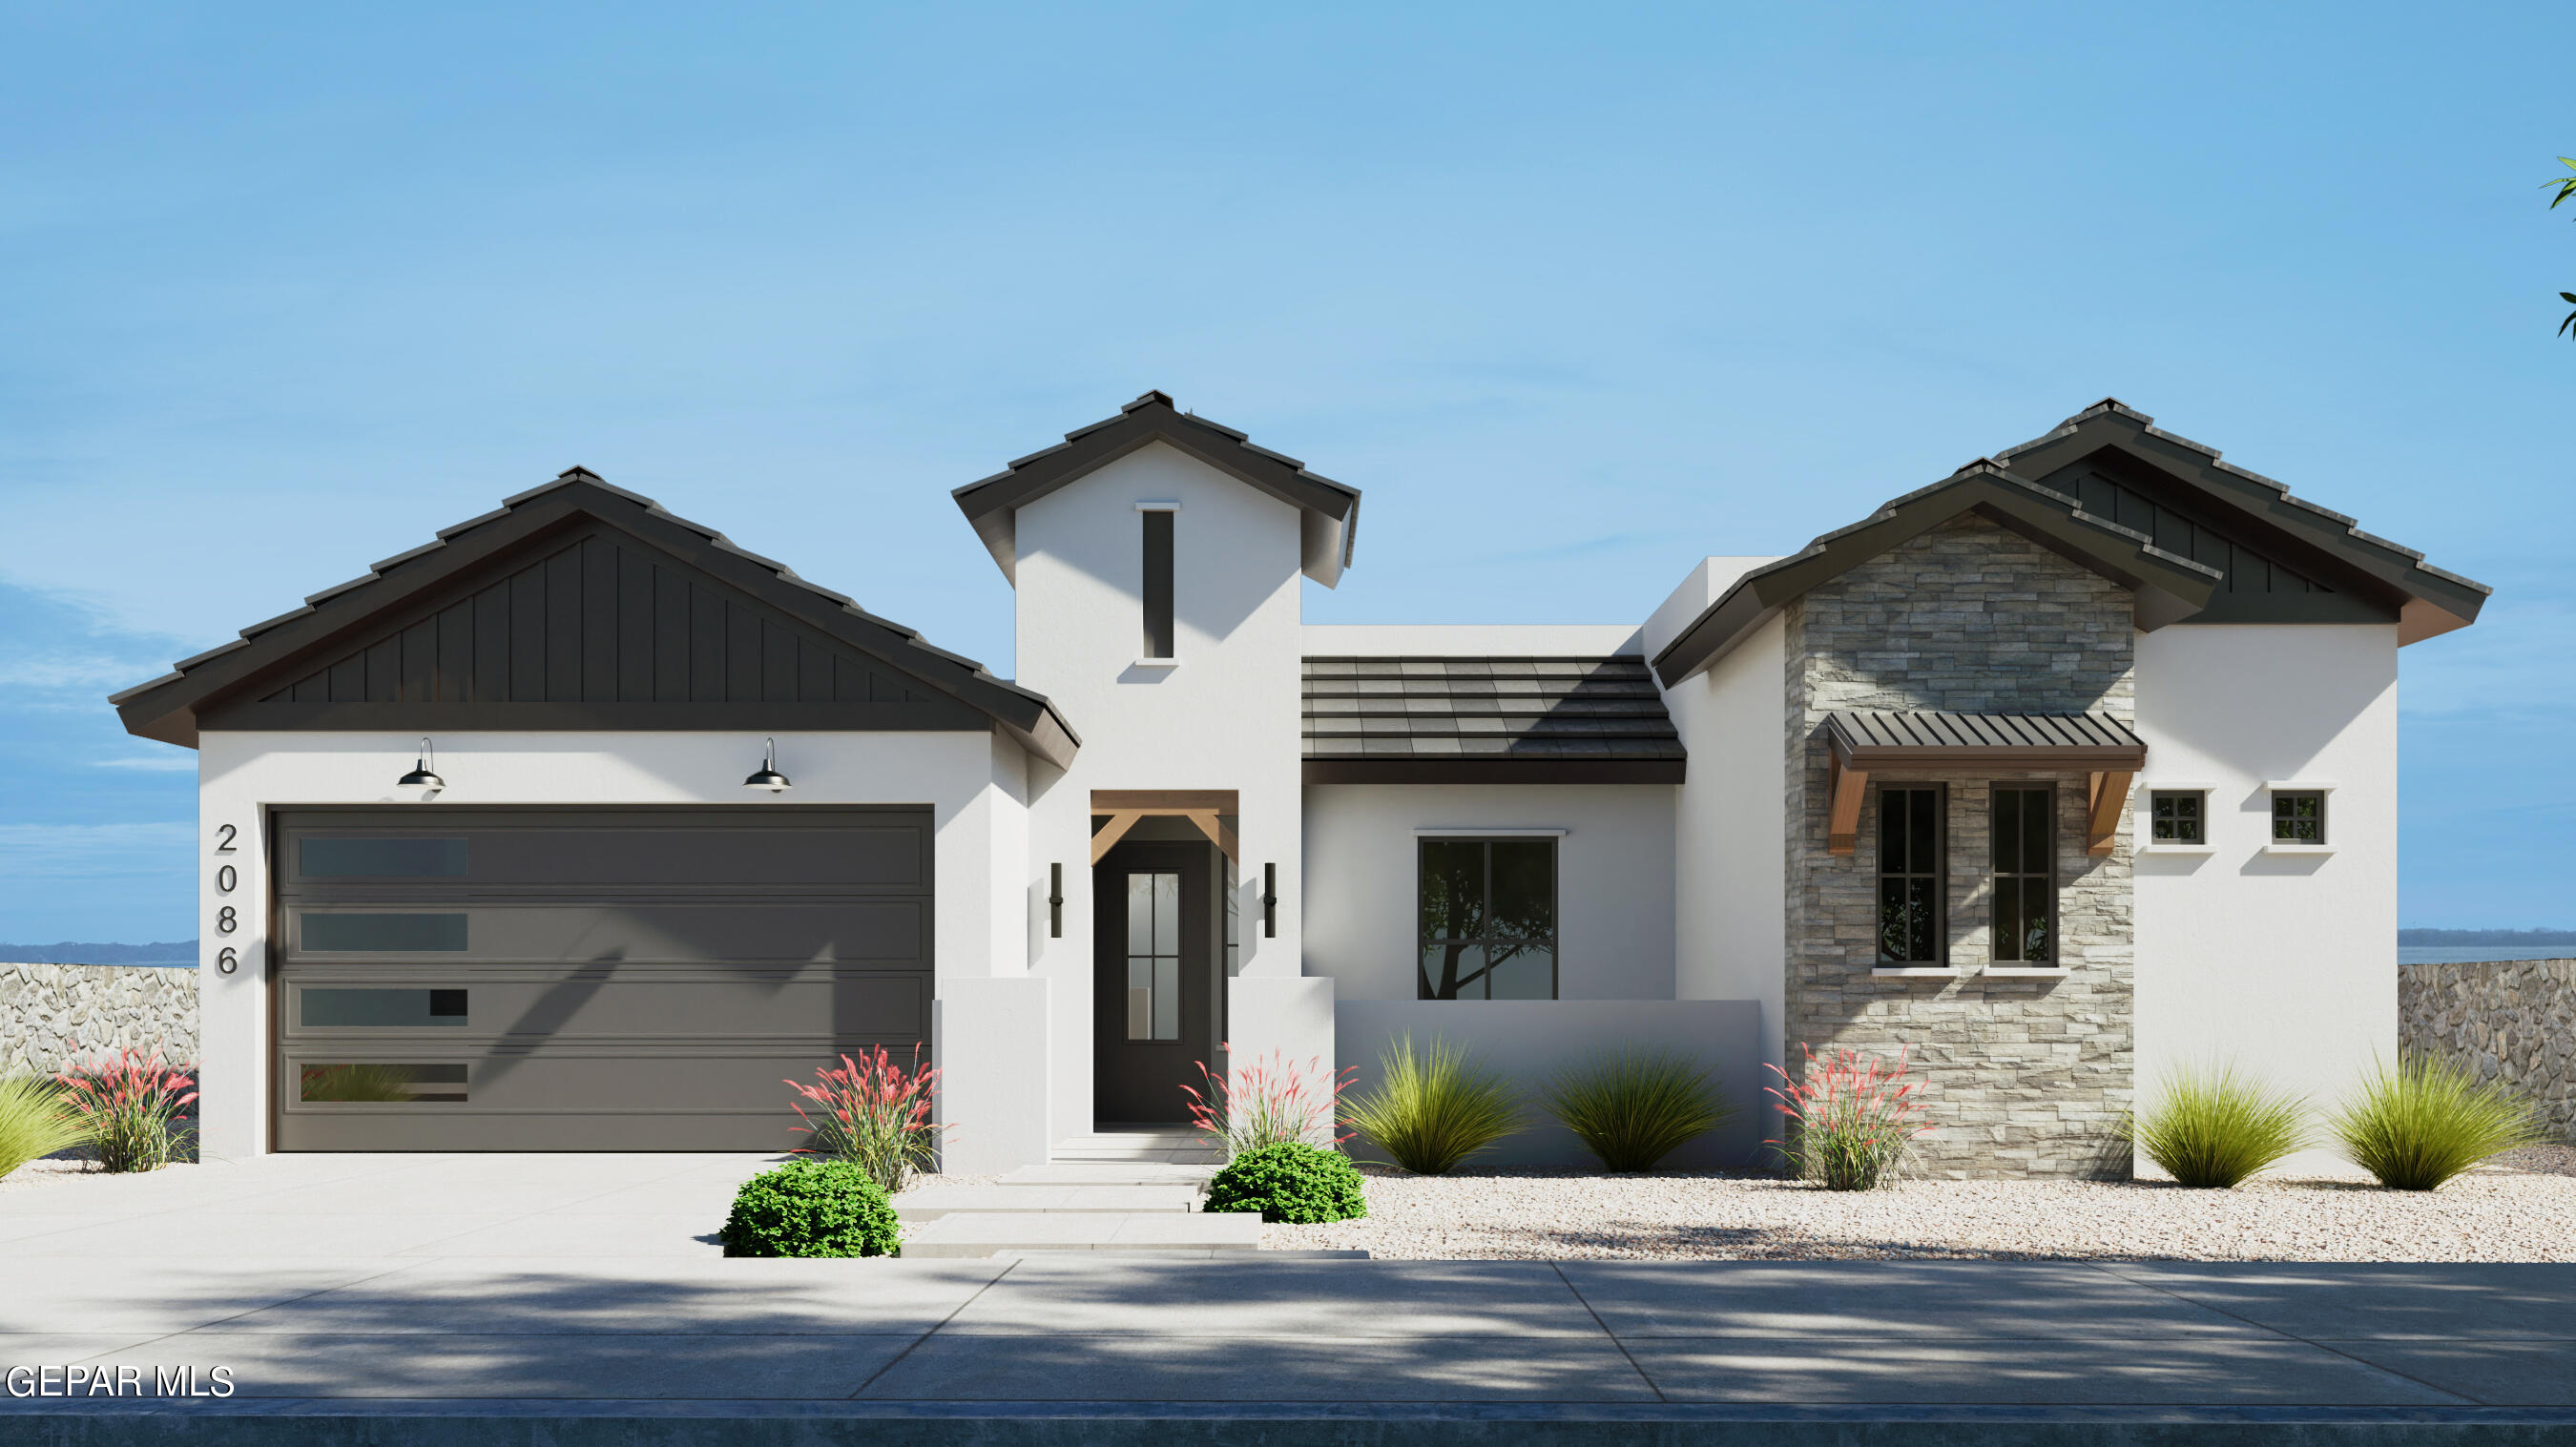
1731 928
2023 1075
53 1017
2284 964
1614 881
2507 1020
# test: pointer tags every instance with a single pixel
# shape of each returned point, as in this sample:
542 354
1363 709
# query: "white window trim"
2027 972
1158 507
1928 971
1475 831
2299 786
1158 663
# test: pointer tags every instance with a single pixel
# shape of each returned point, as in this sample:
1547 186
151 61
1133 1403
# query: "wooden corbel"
1218 835
1115 830
1845 789
2110 799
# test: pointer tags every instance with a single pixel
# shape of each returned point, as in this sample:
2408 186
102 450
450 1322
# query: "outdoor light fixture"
1269 900
420 776
768 777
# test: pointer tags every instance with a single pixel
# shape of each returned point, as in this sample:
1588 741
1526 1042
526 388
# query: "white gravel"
2520 1208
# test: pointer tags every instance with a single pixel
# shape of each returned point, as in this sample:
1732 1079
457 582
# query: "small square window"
2298 816
2177 816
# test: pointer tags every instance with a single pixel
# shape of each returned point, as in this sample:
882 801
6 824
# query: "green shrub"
1632 1108
1291 1181
811 1207
35 1121
2211 1128
2428 1120
1432 1111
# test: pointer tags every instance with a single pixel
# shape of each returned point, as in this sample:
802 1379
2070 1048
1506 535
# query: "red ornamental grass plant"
874 1114
1269 1102
125 1104
1852 1118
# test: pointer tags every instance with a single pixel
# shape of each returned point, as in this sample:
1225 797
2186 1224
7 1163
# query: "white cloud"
182 761
91 851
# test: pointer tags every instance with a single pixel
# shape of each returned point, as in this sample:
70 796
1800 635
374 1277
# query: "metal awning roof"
1868 741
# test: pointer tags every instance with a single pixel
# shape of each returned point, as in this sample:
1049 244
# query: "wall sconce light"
767 776
1055 901
421 777
1269 901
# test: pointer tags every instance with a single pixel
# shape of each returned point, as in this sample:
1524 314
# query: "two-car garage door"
605 979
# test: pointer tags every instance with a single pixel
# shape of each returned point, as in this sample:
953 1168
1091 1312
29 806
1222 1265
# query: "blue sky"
1577 294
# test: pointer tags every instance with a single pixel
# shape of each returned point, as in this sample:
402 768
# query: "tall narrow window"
1488 919
1158 583
2025 875
1153 957
1909 875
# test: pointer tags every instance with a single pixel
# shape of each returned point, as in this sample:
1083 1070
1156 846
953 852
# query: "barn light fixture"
421 777
768 776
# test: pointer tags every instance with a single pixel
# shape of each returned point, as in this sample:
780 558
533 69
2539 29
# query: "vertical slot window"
2025 876
1153 957
1158 583
1909 875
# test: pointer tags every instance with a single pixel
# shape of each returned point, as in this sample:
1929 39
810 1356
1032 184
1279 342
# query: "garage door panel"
885 930
474 850
476 1007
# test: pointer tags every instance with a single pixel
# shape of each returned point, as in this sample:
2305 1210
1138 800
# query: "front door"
1154 962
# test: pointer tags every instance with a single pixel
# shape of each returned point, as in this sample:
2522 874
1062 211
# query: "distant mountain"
170 952
2495 939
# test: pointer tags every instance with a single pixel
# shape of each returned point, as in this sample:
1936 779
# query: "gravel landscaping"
2521 1208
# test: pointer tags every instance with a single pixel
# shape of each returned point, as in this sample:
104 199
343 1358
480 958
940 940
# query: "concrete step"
984 1233
932 1202
1111 1173
1177 1147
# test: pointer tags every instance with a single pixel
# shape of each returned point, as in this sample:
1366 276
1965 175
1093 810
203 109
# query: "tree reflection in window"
1488 919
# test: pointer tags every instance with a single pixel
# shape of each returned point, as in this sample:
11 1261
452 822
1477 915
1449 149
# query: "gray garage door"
453 979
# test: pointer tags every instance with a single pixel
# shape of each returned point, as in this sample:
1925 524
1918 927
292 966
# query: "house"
582 828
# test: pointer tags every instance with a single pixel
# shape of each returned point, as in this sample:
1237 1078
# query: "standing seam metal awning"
1864 743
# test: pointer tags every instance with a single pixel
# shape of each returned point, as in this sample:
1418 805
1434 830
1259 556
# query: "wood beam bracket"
2110 800
1845 789
1115 830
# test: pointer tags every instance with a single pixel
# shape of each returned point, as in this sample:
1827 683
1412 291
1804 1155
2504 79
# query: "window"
368 1080
404 932
330 858
2025 875
1153 957
372 1008
1488 919
2175 816
2299 816
1158 583
1909 875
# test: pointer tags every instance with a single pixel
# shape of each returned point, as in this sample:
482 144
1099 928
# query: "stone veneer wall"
2508 1020
2023 1076
55 1016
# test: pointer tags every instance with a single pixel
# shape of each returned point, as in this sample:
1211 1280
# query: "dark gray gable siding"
1487 720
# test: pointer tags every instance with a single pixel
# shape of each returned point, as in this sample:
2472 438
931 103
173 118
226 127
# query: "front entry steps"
1172 1145
1129 1192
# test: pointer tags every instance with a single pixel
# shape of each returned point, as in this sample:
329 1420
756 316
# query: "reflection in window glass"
327 858
1487 919
375 1081
2176 816
425 933
1153 957
386 1009
2025 876
2299 816
1910 872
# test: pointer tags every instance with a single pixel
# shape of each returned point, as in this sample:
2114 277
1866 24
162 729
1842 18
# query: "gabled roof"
1331 510
1487 720
2167 586
247 672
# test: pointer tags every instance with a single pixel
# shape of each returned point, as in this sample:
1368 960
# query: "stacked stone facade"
2023 1075
2512 1021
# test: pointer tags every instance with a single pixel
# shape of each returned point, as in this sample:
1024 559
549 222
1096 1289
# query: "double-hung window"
1910 851
2025 874
1487 912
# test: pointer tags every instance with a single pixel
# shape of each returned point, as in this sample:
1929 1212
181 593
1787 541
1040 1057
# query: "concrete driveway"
569 1285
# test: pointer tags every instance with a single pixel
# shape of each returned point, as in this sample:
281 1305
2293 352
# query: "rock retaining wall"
2509 1020
53 1016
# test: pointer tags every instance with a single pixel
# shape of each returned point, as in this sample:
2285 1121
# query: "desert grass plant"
1431 1111
2210 1127
35 1121
1852 1118
1290 1182
125 1105
1269 1102
811 1207
1632 1108
2428 1120
874 1114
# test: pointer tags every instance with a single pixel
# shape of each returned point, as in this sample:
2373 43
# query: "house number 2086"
227 879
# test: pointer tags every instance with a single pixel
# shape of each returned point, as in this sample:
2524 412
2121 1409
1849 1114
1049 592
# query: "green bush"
1293 1182
1632 1108
2211 1128
1432 1111
812 1208
2428 1120
35 1121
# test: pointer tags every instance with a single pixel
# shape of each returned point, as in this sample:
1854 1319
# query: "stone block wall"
55 1016
2023 1075
2508 1020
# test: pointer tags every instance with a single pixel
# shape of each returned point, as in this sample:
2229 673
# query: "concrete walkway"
507 1285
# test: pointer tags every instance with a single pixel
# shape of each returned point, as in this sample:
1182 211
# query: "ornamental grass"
2210 1127
2428 1120
126 1104
1270 1102
874 1114
35 1121
1433 1110
1852 1118
1632 1108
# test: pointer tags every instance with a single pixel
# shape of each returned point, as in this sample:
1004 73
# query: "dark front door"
1154 961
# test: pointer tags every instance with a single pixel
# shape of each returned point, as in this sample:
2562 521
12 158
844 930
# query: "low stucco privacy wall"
56 1016
2508 1020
